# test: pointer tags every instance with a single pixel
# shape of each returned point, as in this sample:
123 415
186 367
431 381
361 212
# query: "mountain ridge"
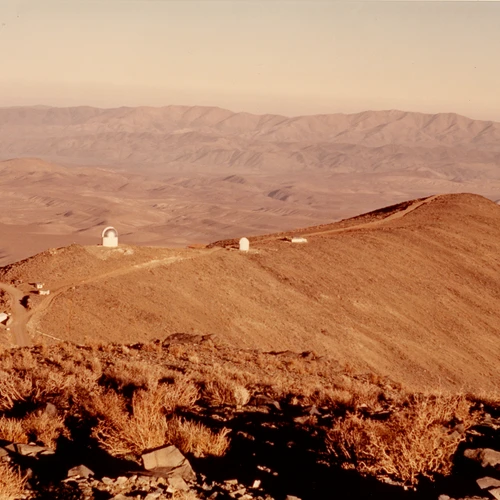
409 291
443 128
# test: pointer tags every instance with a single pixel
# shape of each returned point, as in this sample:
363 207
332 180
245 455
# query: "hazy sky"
290 57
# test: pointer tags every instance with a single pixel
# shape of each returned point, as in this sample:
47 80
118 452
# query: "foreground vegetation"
128 399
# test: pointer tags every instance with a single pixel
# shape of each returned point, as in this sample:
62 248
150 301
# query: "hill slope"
412 291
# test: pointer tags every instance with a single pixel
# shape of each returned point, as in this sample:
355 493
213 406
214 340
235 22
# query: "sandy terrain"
411 291
179 175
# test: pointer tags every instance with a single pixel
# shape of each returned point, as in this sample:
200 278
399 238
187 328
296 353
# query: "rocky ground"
192 418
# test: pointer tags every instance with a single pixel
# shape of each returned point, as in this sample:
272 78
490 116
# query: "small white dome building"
110 237
244 245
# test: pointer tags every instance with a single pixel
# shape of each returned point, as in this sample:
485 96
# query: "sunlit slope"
412 292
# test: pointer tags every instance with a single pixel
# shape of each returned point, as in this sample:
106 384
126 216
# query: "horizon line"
385 110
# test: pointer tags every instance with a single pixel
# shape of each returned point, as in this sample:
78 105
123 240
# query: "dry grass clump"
197 439
145 427
36 427
137 374
43 428
414 442
12 430
12 483
12 390
123 433
183 393
220 392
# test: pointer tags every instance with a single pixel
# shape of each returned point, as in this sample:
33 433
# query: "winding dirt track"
22 319
396 215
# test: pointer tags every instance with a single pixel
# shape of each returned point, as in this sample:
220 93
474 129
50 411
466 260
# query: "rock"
262 399
495 493
238 493
3 452
50 410
80 471
120 481
444 497
256 484
291 497
168 462
178 484
154 496
29 449
486 456
488 482
120 496
107 481
314 410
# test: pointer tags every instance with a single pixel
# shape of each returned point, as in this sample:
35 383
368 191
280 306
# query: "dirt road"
396 215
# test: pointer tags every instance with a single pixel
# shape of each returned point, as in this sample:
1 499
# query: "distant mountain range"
206 138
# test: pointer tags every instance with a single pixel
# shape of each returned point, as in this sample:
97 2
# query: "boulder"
485 456
168 462
120 481
154 496
50 410
29 450
488 482
80 471
177 483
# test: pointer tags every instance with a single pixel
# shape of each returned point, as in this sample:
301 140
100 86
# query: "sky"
269 56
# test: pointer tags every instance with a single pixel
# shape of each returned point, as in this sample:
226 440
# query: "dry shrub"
146 427
13 389
135 374
183 393
23 360
44 428
341 398
219 392
124 434
12 483
413 443
12 430
195 438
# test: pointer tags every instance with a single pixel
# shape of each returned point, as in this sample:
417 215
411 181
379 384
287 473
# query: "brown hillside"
412 292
